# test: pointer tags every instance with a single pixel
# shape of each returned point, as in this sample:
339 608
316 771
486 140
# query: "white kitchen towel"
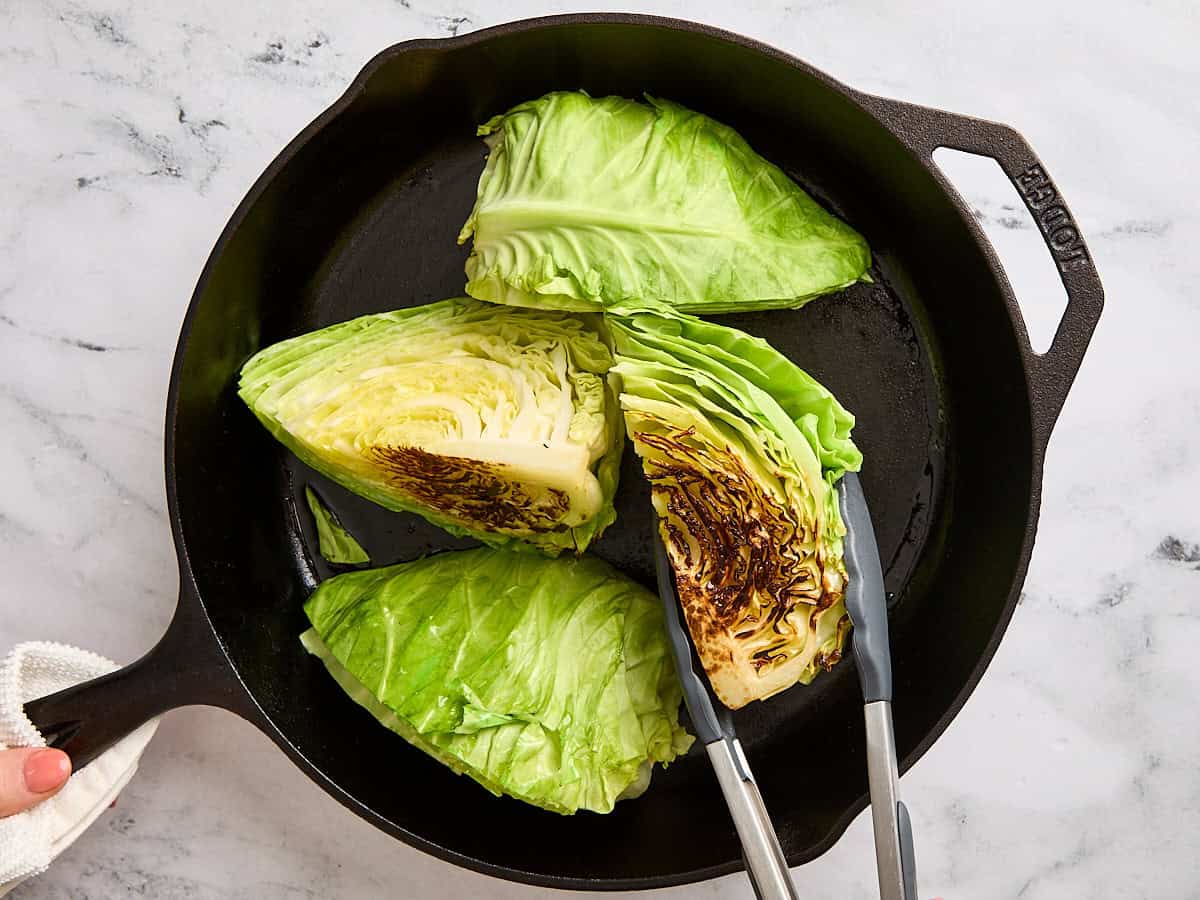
29 841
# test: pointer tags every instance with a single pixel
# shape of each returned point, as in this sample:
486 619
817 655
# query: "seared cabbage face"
550 680
742 450
492 422
586 202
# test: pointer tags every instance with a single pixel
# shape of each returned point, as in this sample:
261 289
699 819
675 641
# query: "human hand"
30 775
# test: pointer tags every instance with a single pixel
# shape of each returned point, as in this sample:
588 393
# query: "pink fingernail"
46 770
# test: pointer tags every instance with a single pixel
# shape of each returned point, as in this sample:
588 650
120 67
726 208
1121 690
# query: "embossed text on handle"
1053 219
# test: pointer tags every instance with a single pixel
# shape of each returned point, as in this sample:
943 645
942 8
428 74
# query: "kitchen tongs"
866 604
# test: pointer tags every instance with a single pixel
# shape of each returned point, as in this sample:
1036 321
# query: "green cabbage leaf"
334 542
550 680
585 202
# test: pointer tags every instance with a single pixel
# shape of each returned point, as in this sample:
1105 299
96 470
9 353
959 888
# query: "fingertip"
46 770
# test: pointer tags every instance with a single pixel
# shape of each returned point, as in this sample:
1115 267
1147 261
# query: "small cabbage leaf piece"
585 202
550 680
742 450
492 422
335 543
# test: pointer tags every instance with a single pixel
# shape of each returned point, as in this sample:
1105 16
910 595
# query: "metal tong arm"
765 862
889 818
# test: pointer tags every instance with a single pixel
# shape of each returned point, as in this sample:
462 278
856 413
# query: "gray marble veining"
129 131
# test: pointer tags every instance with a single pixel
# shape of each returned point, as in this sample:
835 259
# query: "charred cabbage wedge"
491 422
742 450
547 679
585 202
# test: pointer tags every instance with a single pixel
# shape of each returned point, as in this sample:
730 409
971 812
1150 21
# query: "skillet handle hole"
1006 221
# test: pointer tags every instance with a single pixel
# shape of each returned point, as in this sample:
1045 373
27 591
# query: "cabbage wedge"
494 423
585 202
742 450
550 680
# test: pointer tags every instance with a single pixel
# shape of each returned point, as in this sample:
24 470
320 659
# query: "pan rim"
190 592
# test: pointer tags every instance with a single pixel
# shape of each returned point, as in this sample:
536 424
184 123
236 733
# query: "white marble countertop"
128 133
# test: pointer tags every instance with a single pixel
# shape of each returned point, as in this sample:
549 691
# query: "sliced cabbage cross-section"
492 422
742 450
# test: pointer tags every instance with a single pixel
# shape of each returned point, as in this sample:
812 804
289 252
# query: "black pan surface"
360 214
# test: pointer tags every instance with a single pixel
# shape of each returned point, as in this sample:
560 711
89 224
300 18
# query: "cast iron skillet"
359 214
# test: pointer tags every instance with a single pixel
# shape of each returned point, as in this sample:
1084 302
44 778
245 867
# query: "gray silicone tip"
865 599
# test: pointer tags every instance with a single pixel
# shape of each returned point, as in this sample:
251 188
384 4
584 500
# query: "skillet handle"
186 667
925 129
